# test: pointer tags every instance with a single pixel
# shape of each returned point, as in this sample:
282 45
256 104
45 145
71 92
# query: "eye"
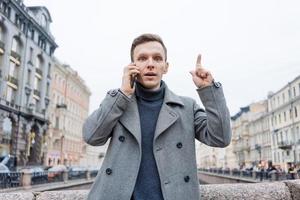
142 58
158 58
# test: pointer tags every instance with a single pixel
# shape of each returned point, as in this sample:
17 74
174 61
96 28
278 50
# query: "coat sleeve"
98 127
212 126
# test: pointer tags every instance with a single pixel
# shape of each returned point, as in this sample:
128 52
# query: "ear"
166 68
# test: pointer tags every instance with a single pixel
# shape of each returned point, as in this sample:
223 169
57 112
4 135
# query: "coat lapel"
167 115
131 120
166 118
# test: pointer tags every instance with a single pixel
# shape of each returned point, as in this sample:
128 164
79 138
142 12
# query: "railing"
36 92
12 80
251 174
15 55
23 179
10 179
39 71
285 144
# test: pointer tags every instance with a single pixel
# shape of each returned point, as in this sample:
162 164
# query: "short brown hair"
147 37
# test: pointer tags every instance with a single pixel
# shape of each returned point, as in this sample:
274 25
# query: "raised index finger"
198 63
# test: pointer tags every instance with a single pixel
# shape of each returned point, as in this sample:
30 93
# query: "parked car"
9 161
77 172
55 173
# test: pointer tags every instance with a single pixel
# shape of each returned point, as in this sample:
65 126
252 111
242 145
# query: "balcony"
36 93
285 145
15 55
39 71
12 80
2 47
257 147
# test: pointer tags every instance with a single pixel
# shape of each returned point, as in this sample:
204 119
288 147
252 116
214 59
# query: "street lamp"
62 106
258 148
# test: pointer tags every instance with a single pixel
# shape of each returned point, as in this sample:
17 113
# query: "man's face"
150 58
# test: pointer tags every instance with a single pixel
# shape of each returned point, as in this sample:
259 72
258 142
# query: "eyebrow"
154 54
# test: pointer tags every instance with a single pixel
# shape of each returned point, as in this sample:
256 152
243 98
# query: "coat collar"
167 116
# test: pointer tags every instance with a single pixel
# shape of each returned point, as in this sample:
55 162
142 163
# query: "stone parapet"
283 190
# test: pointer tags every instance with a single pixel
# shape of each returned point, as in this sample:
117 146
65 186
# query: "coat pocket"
183 185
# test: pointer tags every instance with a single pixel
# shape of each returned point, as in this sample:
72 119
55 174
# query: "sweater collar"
149 95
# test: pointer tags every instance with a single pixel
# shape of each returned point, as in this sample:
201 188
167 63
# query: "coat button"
186 179
121 138
217 84
158 148
108 171
112 92
179 145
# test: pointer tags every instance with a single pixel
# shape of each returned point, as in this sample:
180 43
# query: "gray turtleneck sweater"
148 186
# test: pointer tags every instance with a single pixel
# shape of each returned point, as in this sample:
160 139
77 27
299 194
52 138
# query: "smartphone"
132 80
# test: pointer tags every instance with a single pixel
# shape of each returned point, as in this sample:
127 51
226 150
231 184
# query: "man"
152 131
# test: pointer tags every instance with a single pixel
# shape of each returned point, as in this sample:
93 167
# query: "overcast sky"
251 47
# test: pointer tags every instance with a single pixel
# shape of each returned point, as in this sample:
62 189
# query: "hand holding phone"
132 80
129 77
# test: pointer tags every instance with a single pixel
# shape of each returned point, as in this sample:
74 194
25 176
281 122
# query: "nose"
150 63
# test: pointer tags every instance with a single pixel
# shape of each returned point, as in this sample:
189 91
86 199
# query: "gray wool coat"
180 121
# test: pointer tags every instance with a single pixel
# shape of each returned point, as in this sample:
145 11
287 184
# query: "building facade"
69 108
210 157
260 136
26 49
247 132
284 120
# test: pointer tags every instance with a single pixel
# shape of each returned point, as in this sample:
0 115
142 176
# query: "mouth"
150 74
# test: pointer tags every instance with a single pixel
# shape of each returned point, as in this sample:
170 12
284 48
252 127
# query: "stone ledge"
284 190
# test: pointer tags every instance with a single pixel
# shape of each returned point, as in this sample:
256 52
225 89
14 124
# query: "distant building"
263 132
26 49
284 108
260 136
244 134
68 109
210 157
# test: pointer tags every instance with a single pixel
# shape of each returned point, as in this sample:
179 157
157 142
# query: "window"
7 128
57 122
32 34
30 58
36 102
47 90
28 76
1 33
38 62
296 113
13 70
36 83
10 94
279 118
284 115
283 97
49 69
289 92
294 90
15 45
43 21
